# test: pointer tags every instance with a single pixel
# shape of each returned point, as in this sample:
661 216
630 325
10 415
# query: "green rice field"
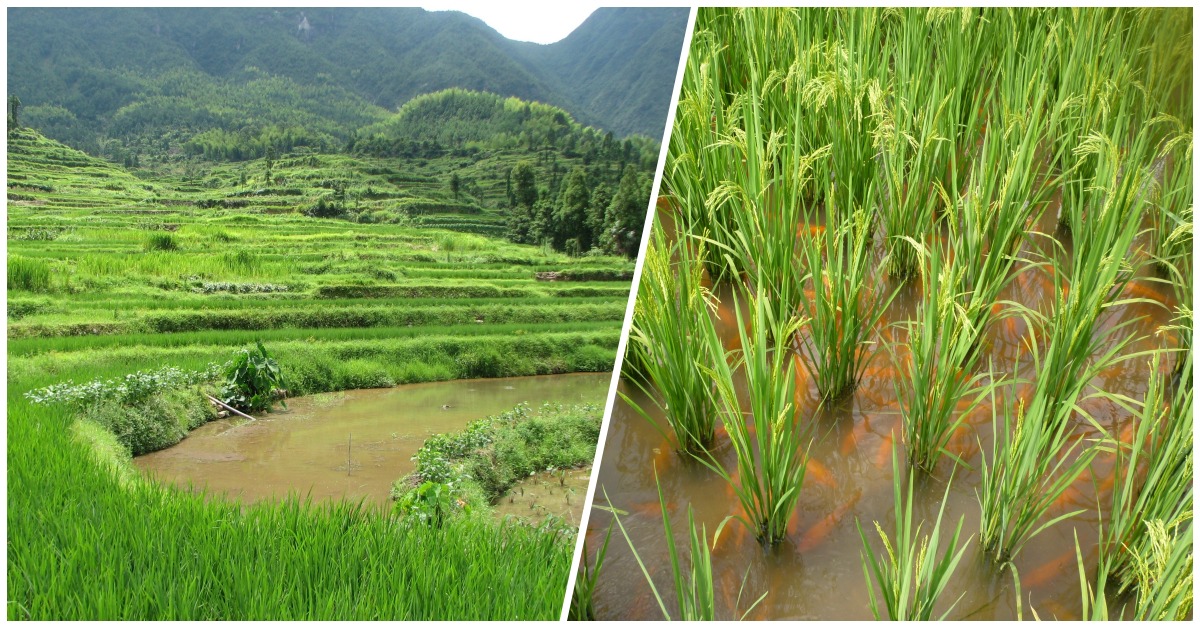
112 273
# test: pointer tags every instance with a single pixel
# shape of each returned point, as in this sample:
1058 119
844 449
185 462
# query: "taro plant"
671 313
911 575
770 442
431 503
253 381
843 305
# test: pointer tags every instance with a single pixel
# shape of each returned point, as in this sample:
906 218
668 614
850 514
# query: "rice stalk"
940 372
911 576
670 315
770 441
844 304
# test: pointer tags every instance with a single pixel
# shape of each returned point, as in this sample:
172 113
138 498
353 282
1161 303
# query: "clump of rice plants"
912 153
1171 215
912 576
162 242
1154 478
940 371
843 306
669 319
1033 460
28 274
769 439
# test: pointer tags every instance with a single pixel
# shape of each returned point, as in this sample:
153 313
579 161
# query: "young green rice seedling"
911 575
669 322
843 306
770 442
940 372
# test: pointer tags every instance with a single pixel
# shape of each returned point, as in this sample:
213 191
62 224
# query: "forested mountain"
147 80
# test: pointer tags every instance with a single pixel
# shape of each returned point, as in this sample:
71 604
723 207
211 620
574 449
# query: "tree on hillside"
455 184
523 198
627 214
571 233
597 208
14 107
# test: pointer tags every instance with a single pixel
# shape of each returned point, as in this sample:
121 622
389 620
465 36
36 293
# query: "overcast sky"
540 22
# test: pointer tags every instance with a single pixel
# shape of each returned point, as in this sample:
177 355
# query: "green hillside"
149 79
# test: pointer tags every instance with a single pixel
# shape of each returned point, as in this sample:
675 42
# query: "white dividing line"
637 277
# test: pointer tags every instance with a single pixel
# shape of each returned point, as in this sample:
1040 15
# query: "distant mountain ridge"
140 74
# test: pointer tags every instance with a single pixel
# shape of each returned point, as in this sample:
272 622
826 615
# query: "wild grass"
911 575
844 304
671 313
769 438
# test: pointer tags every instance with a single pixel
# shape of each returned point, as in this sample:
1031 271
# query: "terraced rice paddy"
111 274
942 264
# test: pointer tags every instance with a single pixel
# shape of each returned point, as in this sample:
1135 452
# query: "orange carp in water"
820 531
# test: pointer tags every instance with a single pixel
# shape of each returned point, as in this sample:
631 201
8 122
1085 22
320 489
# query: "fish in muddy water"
1062 564
884 454
821 530
819 473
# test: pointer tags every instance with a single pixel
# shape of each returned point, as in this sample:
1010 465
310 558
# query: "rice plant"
671 313
767 436
911 576
583 601
912 153
844 304
162 242
941 370
694 590
1154 478
1164 572
1033 460
1171 215
28 274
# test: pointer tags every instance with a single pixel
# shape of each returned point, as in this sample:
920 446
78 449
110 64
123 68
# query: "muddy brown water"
816 573
303 449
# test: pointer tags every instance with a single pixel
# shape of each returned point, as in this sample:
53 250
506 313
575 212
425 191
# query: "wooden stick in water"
227 407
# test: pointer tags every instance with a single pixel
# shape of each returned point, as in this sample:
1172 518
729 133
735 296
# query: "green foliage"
253 381
493 453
